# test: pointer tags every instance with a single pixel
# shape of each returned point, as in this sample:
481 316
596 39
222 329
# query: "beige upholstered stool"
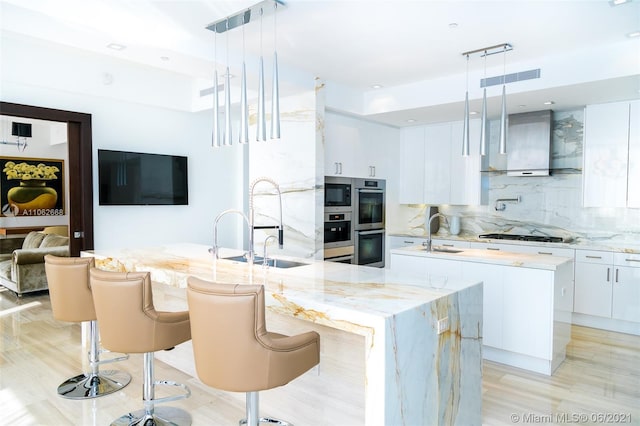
130 323
71 301
232 348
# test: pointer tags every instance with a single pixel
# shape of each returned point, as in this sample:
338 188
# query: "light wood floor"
601 376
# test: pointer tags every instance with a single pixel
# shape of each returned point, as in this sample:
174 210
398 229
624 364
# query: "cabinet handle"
593 257
545 252
408 242
632 260
340 167
447 245
493 248
336 166
373 168
608 274
617 270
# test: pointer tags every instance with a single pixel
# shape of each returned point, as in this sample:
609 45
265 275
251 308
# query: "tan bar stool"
71 301
130 323
232 348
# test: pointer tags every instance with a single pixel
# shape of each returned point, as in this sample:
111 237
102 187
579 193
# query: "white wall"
214 175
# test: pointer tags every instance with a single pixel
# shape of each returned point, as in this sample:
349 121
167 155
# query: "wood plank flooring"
600 377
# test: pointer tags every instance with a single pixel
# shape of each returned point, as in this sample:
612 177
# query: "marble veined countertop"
604 244
534 261
327 287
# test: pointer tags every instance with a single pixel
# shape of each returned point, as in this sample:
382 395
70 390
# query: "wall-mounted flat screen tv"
135 178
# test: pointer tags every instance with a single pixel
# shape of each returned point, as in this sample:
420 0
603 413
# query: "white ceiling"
355 43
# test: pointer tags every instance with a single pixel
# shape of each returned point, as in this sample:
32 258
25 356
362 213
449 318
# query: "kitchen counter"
534 261
527 300
382 358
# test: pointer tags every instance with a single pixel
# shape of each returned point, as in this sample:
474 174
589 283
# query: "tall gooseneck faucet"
252 224
428 246
215 232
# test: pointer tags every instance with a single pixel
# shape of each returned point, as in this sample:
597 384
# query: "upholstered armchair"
22 271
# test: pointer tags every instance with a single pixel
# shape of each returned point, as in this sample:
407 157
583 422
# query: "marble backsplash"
549 205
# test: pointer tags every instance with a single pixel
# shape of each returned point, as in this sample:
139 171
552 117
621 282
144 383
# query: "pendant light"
261 133
215 137
483 123
503 116
465 126
227 98
275 97
244 107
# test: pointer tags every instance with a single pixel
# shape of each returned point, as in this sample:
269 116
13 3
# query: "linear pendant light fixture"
486 51
465 127
241 18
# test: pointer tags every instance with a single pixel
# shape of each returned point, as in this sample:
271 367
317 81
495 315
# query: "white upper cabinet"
432 168
611 155
356 148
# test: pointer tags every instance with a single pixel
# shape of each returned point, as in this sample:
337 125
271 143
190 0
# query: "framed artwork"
31 186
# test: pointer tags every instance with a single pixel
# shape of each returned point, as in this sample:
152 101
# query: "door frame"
80 166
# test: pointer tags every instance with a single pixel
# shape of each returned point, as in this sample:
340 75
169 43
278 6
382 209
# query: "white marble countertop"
534 261
334 290
605 244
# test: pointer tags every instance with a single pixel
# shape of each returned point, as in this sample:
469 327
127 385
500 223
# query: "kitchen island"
528 299
395 349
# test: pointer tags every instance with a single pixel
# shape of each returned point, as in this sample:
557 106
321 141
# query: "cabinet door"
437 172
593 289
465 171
375 150
341 140
633 189
606 150
626 294
412 166
492 300
527 316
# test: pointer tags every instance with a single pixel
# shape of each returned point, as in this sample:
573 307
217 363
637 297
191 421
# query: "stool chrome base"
268 421
162 416
93 385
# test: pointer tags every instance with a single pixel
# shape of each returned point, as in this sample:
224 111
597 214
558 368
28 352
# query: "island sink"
276 263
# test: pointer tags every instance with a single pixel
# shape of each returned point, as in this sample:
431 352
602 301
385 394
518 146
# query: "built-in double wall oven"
354 220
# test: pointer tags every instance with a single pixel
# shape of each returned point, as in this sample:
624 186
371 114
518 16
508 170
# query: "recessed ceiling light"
453 25
473 112
618 2
411 120
634 34
521 106
549 103
116 46
376 86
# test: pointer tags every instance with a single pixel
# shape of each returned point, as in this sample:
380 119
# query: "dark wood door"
80 168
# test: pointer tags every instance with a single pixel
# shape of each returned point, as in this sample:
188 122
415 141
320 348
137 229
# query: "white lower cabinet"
607 285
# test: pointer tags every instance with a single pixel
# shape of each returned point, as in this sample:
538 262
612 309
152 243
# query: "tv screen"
134 178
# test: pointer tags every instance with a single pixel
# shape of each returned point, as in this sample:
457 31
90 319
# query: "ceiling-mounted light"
633 34
483 118
275 90
116 46
465 126
215 136
224 25
502 145
549 103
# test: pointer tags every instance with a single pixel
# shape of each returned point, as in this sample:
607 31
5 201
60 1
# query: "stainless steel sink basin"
445 250
275 263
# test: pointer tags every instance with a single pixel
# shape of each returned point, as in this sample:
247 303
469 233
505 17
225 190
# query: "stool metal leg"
152 415
253 406
94 383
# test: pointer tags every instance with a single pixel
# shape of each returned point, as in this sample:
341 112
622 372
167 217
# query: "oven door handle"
377 231
371 191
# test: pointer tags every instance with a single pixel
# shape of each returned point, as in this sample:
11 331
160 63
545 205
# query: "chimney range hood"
529 144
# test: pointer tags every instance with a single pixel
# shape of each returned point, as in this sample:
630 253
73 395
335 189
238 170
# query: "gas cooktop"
537 238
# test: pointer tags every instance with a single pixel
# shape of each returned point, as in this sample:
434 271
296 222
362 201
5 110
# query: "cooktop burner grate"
537 238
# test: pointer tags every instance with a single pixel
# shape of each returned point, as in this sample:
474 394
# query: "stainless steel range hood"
529 144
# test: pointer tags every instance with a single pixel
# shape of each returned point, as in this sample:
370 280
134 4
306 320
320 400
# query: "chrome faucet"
252 226
428 246
215 233
265 260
